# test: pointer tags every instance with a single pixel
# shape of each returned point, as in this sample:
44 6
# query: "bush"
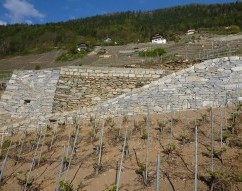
238 177
112 187
226 135
6 144
153 53
65 186
37 67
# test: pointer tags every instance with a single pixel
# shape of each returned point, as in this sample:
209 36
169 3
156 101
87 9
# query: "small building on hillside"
158 39
82 47
190 31
108 40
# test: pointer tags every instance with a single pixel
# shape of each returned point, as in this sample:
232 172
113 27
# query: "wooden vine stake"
157 184
121 161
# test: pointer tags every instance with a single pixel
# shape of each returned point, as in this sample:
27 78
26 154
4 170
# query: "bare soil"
177 166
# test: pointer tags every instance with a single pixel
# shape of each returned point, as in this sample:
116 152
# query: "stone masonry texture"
212 83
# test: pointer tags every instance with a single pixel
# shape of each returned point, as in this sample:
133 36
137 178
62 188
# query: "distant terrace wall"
87 87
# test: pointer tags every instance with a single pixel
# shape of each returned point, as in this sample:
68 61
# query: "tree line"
122 28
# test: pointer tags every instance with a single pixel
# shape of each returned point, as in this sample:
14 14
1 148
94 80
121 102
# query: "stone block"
132 75
195 79
237 69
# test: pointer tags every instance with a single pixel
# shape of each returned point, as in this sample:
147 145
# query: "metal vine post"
147 143
100 145
157 184
212 137
33 161
4 162
72 151
196 160
121 162
61 169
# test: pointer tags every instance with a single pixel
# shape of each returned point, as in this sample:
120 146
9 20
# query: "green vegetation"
37 67
238 177
112 187
126 27
141 168
72 54
65 186
6 144
157 52
223 30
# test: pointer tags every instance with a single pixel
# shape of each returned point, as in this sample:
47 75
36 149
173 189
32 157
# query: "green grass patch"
69 56
153 53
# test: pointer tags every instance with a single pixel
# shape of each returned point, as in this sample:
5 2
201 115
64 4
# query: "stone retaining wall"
212 83
30 93
209 84
87 87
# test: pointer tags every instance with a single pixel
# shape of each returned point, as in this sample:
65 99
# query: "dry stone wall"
30 93
209 84
87 87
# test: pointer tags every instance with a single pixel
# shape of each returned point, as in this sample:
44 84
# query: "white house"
190 32
158 39
108 40
82 47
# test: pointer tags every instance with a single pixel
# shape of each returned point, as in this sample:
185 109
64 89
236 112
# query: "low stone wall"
87 87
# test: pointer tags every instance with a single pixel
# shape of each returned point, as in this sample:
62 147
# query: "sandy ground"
176 170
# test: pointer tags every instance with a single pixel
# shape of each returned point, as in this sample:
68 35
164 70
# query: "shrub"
215 175
6 144
37 67
144 134
238 177
226 135
112 187
141 168
153 53
65 186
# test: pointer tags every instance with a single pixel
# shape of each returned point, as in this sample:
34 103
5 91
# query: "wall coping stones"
111 72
